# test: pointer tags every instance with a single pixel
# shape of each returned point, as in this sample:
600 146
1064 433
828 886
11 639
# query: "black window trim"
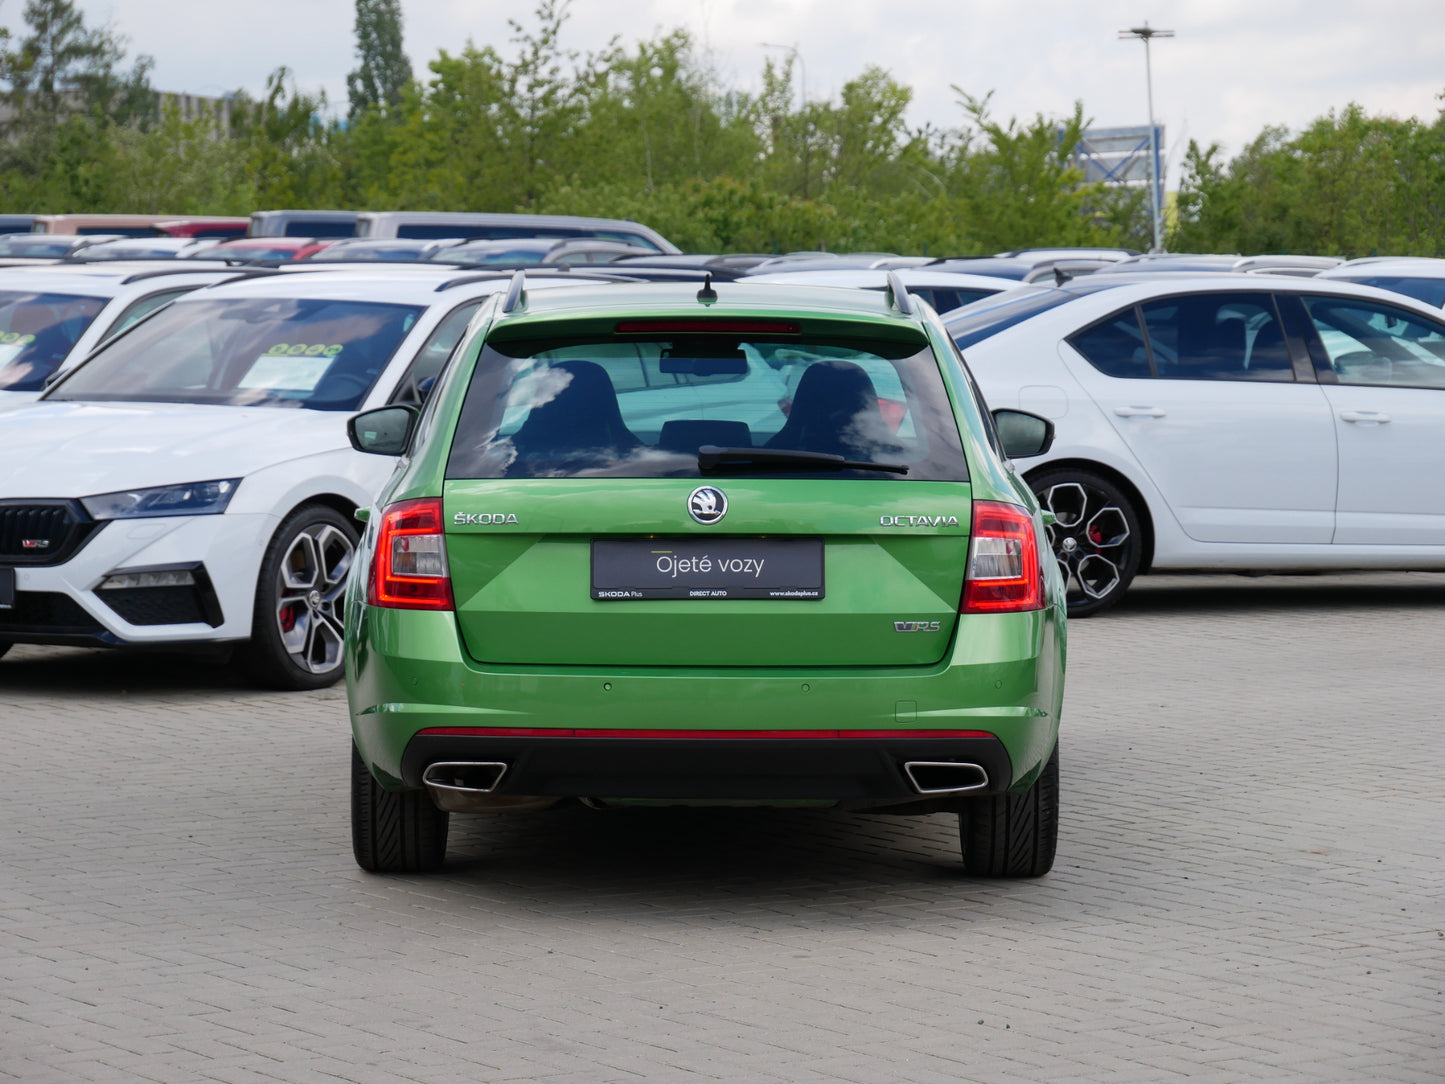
405 382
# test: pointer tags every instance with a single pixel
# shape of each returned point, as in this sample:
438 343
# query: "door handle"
1366 417
1139 411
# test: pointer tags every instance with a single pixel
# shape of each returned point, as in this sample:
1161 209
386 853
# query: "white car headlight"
187 499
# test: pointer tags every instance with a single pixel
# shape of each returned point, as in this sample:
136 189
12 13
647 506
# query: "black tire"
297 631
1096 536
394 831
1013 835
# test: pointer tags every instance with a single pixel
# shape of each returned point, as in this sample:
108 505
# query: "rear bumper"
751 768
586 731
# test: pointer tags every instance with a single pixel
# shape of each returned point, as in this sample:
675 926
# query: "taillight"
409 570
1003 561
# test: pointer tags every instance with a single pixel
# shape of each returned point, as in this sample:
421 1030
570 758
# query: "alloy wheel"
310 588
1093 538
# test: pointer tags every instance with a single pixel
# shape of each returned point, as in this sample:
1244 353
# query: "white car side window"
1371 343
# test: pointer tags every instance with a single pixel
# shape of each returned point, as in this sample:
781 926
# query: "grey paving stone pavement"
1249 887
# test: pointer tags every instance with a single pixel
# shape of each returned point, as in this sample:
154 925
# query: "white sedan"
1223 422
192 482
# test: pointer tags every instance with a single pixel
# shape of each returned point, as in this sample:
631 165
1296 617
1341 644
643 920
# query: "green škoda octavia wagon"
668 546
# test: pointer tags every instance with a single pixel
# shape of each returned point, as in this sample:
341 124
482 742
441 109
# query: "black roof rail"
588 275
237 272
479 276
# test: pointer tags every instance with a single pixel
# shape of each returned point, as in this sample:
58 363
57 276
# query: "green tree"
285 149
1020 184
1349 185
485 133
67 91
62 67
384 72
655 116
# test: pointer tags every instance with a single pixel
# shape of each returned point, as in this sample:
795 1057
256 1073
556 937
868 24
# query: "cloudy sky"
1233 67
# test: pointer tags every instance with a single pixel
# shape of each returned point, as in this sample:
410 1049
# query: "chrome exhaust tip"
945 776
464 776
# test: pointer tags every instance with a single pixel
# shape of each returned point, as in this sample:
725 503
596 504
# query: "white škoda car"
192 483
1248 422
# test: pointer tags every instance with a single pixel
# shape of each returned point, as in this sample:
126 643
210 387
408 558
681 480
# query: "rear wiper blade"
710 458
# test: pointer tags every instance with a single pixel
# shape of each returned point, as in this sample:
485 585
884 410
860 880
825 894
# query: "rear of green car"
655 546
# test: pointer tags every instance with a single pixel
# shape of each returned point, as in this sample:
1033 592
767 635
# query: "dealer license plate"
732 568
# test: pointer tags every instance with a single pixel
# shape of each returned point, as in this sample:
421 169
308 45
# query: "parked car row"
780 484
1220 420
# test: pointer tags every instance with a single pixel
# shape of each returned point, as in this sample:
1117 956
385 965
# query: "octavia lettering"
918 521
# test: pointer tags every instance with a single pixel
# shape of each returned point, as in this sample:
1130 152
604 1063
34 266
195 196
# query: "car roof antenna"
707 295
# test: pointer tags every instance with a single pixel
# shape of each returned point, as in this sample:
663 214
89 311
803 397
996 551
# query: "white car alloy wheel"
1095 537
297 639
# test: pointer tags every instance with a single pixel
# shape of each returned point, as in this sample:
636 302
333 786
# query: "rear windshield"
642 406
37 332
440 231
976 322
31 246
1430 291
308 227
273 352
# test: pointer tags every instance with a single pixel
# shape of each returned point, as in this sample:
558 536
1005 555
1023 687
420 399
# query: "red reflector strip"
706 327
570 732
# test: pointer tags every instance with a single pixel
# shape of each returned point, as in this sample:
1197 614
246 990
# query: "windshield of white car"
313 353
37 332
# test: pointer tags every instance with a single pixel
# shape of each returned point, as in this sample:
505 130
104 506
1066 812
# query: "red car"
266 249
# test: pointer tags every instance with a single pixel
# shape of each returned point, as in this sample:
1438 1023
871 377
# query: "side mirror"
385 431
1023 435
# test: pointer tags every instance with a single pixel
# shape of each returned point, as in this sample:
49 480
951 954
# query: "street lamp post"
1145 34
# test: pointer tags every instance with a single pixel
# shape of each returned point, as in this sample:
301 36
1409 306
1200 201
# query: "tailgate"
616 572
